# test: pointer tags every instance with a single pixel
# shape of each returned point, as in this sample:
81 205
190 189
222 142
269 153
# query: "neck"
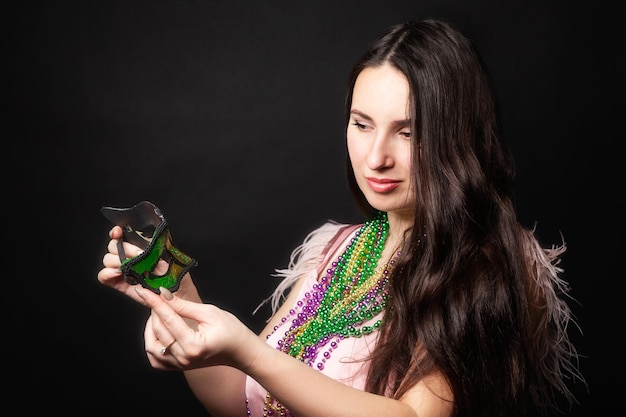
399 223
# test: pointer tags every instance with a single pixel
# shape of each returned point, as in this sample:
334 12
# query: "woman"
441 304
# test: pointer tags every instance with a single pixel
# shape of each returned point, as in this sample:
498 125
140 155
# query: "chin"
385 206
392 206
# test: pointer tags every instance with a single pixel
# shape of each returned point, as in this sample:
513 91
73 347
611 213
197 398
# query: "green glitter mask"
145 226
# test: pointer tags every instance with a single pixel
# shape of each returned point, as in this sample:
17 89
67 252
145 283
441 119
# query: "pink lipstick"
382 185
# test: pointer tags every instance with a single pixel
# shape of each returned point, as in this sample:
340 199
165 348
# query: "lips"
382 185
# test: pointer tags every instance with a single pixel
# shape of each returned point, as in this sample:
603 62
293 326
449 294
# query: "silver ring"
163 349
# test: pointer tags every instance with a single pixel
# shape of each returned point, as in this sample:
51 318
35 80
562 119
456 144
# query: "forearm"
220 389
315 394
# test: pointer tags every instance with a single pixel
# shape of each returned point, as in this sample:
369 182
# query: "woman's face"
379 139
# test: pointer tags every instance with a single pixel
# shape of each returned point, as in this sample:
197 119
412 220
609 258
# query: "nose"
380 155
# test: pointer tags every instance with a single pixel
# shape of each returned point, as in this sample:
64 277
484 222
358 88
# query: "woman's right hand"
112 276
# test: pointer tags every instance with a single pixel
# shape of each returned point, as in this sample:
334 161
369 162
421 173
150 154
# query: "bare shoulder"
431 397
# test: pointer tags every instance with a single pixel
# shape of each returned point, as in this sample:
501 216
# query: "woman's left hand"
184 335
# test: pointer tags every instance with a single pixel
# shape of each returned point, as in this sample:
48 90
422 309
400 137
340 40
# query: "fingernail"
140 292
167 294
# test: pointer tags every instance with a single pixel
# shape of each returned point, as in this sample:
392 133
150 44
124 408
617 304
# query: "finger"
163 350
161 267
167 316
162 336
130 250
116 232
164 362
159 355
109 275
111 260
112 246
184 308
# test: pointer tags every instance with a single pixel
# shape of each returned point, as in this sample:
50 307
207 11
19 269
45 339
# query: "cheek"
355 152
403 161
407 160
406 157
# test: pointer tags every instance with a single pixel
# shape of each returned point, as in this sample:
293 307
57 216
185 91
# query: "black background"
228 116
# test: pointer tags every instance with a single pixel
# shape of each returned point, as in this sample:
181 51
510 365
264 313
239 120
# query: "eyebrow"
396 124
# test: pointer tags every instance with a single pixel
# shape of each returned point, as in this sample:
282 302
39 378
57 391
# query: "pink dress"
344 361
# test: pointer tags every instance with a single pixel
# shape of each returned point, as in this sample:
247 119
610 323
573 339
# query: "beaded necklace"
352 292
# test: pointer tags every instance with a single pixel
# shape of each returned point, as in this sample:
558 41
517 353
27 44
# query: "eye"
359 125
405 134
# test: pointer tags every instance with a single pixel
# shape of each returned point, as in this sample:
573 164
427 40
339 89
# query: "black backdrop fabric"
228 116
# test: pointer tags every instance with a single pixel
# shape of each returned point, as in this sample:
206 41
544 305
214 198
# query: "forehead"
381 91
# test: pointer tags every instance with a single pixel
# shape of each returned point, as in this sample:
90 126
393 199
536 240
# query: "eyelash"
361 126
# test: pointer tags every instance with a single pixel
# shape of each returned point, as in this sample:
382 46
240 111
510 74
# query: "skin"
379 146
211 344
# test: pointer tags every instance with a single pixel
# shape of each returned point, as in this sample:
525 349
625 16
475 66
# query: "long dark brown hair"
477 298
